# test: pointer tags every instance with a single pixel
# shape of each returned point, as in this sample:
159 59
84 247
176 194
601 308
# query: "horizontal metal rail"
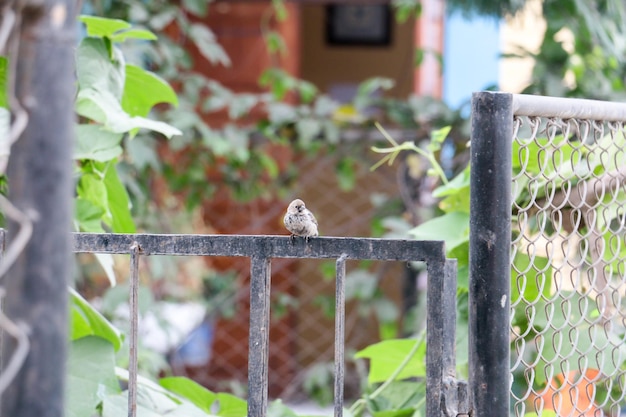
270 246
260 249
567 108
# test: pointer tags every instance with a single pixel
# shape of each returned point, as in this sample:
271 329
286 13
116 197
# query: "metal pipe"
340 322
489 253
567 108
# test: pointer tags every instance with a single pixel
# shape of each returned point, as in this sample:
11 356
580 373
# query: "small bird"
299 220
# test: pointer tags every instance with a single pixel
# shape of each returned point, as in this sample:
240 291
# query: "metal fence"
548 326
261 249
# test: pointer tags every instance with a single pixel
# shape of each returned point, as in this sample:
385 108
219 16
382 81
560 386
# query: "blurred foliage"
583 53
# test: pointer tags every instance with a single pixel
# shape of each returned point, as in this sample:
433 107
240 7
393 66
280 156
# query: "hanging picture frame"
358 25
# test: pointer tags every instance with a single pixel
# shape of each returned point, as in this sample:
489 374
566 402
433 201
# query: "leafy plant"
113 99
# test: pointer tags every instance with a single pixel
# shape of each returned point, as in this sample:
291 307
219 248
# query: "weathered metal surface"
258 357
489 253
440 331
340 322
271 246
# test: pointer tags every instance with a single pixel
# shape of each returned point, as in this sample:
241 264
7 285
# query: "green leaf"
191 390
231 406
91 188
118 202
275 43
97 70
88 216
143 90
308 129
90 375
456 193
452 227
386 356
101 106
207 44
241 104
437 137
400 398
87 321
93 142
280 113
307 91
3 82
103 27
143 34
114 29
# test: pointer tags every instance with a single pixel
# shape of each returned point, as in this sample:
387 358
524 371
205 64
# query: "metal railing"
547 256
261 249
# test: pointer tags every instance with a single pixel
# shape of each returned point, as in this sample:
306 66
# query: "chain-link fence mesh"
568 326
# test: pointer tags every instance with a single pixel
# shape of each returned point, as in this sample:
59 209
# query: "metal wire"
568 266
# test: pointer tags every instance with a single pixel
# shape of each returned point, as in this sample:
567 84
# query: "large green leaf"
87 321
231 406
143 89
452 227
118 202
386 356
191 390
88 216
90 375
101 186
97 70
93 142
152 400
102 106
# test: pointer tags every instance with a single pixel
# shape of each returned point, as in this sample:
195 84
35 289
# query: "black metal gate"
441 311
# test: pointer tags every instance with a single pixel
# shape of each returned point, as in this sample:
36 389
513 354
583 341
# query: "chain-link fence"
567 329
568 266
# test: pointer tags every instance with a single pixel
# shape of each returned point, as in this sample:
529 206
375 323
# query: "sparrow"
299 220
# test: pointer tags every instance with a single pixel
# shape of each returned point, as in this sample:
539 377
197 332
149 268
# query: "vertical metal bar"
134 322
448 313
435 343
40 172
490 241
340 321
258 356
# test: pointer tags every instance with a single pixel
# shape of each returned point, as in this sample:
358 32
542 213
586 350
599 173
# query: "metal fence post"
40 173
490 242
